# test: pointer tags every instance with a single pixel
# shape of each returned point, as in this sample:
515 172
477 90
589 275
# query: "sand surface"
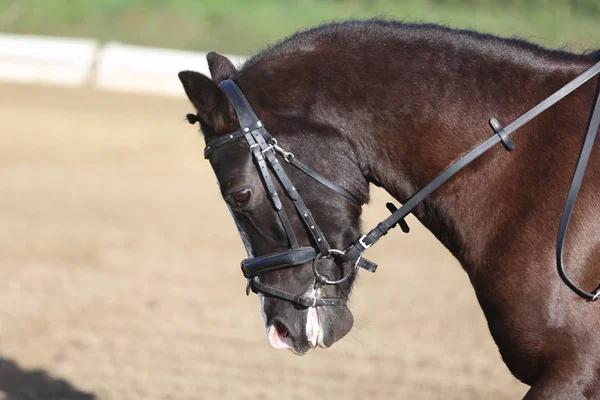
119 276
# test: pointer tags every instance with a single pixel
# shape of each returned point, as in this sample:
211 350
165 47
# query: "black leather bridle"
265 151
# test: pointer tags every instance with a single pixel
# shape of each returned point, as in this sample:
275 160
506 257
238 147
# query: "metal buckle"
267 149
287 155
362 242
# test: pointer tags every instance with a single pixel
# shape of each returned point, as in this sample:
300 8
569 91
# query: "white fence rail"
32 59
114 66
145 69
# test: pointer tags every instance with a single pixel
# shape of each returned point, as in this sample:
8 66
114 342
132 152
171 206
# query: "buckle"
287 155
267 149
362 242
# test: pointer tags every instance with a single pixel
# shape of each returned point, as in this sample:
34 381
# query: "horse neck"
410 108
431 120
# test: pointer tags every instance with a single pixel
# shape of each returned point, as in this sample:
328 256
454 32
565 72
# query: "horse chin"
334 324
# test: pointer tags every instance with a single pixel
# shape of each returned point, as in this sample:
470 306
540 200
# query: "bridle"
265 151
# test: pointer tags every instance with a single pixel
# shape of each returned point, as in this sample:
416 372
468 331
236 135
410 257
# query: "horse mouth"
315 332
313 336
304 330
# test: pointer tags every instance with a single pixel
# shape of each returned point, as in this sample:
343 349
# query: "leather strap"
222 140
245 115
319 178
563 227
255 148
260 265
287 227
304 301
263 169
305 214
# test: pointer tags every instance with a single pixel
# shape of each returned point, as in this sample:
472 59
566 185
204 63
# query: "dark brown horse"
395 104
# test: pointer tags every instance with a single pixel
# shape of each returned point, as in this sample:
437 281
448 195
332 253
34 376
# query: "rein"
265 149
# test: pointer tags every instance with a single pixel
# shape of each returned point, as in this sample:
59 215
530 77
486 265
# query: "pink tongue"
275 340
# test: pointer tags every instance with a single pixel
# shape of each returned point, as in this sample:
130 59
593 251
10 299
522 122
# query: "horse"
393 104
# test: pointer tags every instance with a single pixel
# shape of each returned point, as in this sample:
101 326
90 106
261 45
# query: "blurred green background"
245 26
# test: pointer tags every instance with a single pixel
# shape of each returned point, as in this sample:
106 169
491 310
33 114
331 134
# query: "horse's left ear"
220 67
212 106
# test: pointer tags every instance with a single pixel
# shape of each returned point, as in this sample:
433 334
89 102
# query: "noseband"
265 151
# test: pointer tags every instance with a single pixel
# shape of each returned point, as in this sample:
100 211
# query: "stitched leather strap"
255 148
220 141
305 214
260 265
563 227
245 115
304 301
287 227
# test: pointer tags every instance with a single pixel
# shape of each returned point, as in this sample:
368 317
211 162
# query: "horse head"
266 209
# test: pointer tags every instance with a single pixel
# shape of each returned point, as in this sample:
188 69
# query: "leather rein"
265 151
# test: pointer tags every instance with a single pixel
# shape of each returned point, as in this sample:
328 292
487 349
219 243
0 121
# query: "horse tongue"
277 339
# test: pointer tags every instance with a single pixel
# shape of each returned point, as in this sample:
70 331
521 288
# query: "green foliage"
243 26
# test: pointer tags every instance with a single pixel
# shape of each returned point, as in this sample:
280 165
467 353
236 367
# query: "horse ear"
220 67
213 108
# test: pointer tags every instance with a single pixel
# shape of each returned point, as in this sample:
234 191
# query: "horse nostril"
281 329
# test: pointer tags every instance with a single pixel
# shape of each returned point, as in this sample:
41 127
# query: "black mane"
355 33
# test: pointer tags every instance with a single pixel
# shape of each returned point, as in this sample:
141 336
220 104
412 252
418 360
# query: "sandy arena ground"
119 276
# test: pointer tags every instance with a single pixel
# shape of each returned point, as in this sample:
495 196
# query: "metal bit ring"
323 279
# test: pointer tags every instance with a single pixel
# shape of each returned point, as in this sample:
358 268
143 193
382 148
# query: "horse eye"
242 195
